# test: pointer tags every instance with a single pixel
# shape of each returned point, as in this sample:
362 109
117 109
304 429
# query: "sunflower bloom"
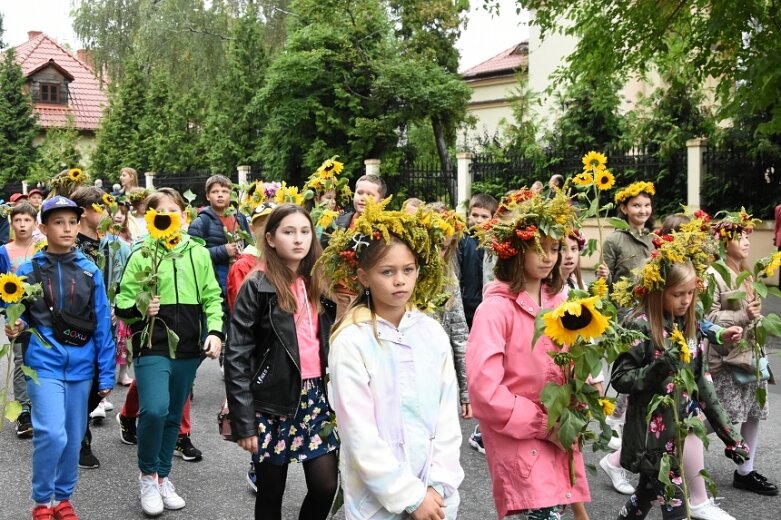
75 174
604 180
331 166
774 264
173 241
575 319
109 199
583 179
677 339
326 218
11 288
594 161
162 225
599 288
608 407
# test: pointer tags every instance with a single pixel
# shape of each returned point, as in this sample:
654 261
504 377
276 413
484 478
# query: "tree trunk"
439 137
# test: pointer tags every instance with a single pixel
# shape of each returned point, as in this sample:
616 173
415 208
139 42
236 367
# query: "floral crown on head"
327 177
693 242
423 232
633 190
732 224
524 217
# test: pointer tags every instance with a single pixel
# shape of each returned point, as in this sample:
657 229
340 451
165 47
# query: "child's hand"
232 249
602 271
431 508
13 332
731 335
466 411
104 393
754 309
249 444
212 346
554 437
154 307
738 453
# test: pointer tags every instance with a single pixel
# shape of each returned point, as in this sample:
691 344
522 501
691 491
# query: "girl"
275 365
528 466
128 179
121 219
393 385
570 262
648 370
739 400
188 296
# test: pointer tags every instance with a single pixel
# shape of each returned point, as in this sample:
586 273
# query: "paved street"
215 488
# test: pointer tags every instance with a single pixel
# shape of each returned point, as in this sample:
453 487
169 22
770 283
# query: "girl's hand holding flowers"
212 346
754 309
731 335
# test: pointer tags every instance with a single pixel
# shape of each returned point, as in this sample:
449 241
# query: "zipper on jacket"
287 351
73 289
176 292
67 354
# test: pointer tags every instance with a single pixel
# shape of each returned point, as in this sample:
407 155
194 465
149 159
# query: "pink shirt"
307 333
17 255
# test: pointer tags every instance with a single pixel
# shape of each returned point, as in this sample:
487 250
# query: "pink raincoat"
505 377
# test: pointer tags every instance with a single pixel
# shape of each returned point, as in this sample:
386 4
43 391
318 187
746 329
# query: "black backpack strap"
39 277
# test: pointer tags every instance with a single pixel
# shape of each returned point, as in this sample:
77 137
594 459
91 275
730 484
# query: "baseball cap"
58 202
34 191
263 210
16 197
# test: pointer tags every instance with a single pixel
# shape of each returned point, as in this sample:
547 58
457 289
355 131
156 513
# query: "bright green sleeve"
129 287
211 294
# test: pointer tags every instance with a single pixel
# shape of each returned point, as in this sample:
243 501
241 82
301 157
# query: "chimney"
33 34
85 57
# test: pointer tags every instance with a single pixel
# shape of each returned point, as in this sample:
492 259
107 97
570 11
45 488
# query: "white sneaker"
151 501
99 412
618 476
170 499
708 510
107 405
617 425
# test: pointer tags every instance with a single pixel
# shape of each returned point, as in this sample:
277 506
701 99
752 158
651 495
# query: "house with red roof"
62 85
494 83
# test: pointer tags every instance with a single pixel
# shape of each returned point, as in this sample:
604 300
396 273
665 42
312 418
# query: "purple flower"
657 426
670 387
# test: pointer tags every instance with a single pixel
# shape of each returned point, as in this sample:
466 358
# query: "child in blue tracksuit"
59 400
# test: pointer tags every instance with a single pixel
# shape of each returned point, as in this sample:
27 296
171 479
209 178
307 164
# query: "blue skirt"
282 440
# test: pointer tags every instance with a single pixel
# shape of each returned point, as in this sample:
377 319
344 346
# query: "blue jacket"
5 260
470 262
207 225
65 278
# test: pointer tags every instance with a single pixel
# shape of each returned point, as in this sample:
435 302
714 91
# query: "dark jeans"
645 496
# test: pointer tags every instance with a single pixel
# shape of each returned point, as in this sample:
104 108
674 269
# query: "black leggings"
321 482
645 496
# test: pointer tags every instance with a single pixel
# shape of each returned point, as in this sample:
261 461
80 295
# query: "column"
695 170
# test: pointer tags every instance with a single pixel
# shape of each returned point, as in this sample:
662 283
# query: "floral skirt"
739 401
283 440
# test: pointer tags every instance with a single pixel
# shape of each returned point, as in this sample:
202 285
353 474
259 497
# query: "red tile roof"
86 91
506 62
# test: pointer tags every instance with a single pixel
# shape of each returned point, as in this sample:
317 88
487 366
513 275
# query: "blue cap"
58 202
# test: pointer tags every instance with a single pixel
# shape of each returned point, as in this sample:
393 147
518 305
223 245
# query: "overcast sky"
485 36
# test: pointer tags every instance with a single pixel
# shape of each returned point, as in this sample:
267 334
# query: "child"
570 262
121 218
392 380
529 468
739 400
128 179
187 296
65 370
367 186
647 370
12 255
248 260
412 205
279 328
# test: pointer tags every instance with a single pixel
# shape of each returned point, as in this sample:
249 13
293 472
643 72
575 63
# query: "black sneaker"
24 426
476 440
127 429
252 478
755 483
186 450
87 460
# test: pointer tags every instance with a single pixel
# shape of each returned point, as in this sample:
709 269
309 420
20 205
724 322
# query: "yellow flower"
288 194
608 407
599 288
635 189
75 174
331 166
677 339
774 264
326 218
97 208
162 225
594 161
11 288
584 179
108 199
651 276
173 241
575 319
604 180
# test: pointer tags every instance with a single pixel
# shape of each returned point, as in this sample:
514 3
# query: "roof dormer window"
49 93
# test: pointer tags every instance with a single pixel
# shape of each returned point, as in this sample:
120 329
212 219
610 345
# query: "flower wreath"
65 182
524 217
257 194
693 242
633 190
136 195
732 224
327 177
423 232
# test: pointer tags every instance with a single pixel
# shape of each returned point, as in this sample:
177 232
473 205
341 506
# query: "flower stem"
4 401
155 266
679 443
599 222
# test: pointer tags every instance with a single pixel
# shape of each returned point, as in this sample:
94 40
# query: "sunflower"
109 199
584 179
75 174
326 218
677 339
162 225
608 407
599 288
331 166
173 241
575 319
11 288
97 208
604 180
594 161
773 264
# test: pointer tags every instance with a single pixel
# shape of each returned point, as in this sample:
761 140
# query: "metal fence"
735 179
428 182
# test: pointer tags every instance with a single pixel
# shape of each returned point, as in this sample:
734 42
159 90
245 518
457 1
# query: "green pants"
164 386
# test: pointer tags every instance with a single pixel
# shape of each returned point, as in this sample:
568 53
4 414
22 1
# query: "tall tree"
57 152
18 126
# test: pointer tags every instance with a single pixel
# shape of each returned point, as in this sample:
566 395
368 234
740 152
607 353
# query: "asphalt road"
215 488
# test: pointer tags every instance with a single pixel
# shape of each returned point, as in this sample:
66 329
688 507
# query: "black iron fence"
428 182
735 178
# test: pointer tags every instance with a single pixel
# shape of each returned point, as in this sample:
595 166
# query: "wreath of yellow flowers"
422 232
327 177
635 189
289 195
733 224
524 217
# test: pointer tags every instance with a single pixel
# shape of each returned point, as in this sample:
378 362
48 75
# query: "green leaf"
43 341
143 299
13 312
31 373
772 325
737 296
689 383
760 288
591 247
12 410
570 426
539 327
774 291
741 278
664 476
173 340
619 223
761 396
721 268
5 349
709 482
656 402
555 398
697 427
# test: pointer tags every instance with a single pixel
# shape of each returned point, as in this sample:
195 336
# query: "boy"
470 257
366 186
73 288
110 259
249 257
12 255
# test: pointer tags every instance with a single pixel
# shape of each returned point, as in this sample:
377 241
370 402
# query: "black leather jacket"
262 364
